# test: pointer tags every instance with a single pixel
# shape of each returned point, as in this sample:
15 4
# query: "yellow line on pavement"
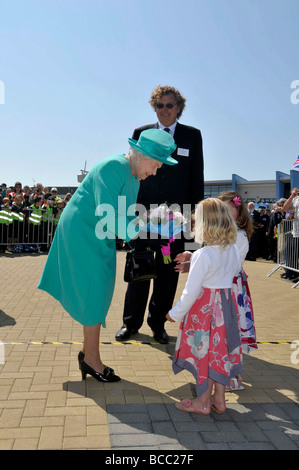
118 343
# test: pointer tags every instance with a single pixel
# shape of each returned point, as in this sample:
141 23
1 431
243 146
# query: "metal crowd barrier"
288 247
31 231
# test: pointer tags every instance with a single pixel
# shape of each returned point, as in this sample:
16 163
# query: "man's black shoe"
124 333
161 336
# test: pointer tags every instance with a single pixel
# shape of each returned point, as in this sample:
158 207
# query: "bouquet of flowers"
167 222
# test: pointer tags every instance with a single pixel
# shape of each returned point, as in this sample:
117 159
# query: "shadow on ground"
6 320
153 422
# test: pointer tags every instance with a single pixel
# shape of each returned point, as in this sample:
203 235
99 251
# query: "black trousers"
253 246
161 301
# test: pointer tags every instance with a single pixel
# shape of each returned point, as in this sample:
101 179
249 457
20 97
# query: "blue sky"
77 75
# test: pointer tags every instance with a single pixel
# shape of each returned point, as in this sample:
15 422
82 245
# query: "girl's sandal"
186 405
214 407
235 384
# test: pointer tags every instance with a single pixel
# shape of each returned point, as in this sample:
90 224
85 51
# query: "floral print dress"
209 342
245 313
202 345
244 301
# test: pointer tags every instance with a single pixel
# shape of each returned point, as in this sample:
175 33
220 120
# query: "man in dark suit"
182 184
253 244
263 251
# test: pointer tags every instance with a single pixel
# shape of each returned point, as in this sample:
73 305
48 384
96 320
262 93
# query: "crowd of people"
43 201
263 243
25 214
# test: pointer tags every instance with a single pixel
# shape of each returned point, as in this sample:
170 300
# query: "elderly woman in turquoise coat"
81 265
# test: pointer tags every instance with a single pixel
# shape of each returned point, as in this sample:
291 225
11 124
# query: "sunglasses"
167 105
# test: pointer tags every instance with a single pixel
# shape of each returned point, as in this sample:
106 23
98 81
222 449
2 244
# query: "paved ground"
44 404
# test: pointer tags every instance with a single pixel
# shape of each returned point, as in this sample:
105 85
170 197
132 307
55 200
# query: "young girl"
243 220
240 285
209 344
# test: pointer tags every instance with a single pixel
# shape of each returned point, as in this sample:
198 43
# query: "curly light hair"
243 220
214 224
160 91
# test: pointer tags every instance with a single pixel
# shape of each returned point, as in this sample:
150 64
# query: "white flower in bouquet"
166 222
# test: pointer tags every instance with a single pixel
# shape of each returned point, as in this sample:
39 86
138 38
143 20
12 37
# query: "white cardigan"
242 244
211 266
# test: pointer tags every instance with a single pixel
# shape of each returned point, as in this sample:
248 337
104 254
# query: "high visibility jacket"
49 212
35 215
5 216
18 214
44 213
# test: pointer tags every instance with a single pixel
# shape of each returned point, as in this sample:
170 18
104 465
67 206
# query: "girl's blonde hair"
214 224
243 220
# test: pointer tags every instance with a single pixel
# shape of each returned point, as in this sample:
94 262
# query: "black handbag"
140 266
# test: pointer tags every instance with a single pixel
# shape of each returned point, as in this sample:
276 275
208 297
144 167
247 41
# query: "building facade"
267 191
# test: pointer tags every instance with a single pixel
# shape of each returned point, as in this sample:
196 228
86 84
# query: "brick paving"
44 404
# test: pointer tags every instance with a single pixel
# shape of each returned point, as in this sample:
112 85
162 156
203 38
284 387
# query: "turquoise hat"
156 144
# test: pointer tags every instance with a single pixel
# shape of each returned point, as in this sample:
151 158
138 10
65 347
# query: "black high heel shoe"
107 375
81 356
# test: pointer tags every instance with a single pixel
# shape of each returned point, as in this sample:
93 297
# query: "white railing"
28 231
288 247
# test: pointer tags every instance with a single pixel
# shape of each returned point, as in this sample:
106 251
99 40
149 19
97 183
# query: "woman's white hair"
135 154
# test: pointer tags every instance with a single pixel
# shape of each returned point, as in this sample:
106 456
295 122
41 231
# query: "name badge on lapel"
183 152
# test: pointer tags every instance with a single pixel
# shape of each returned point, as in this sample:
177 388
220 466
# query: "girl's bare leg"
219 396
205 399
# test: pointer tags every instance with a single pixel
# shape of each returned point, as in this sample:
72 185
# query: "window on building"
213 190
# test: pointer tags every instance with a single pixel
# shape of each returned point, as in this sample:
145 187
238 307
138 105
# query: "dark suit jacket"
182 183
256 219
274 221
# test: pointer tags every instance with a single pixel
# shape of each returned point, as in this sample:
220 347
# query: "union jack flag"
296 164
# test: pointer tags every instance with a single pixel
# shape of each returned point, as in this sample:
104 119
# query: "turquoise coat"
81 265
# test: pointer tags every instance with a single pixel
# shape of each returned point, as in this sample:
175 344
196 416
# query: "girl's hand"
183 262
168 317
183 257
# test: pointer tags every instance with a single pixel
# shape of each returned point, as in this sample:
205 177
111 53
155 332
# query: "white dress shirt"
171 128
